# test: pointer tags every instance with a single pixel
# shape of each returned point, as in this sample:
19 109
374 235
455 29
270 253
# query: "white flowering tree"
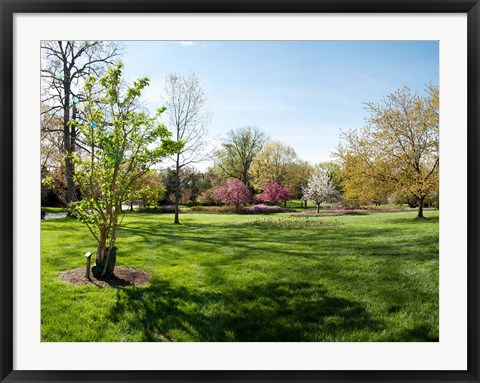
319 188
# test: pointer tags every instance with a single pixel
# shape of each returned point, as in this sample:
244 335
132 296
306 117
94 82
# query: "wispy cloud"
369 78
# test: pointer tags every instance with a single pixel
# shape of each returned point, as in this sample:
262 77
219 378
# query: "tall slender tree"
65 67
238 151
187 118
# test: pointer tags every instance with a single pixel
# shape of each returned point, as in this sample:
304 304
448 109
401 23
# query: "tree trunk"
69 176
420 207
67 143
245 175
177 190
101 248
106 262
73 149
318 208
110 249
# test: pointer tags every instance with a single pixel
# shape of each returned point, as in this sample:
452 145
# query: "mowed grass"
369 277
50 210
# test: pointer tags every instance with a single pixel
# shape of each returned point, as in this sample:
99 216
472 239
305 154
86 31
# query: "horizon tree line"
394 156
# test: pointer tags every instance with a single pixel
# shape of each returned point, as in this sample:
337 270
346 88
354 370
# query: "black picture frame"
10 8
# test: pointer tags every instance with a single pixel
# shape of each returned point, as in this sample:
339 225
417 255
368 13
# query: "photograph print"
239 191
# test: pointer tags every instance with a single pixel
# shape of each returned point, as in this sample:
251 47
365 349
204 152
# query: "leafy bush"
207 198
346 211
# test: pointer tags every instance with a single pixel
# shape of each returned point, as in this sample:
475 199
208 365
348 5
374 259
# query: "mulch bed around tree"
124 276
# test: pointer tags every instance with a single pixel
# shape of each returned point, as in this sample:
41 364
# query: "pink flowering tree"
274 193
234 193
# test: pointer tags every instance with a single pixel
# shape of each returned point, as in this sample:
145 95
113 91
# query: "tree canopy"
319 187
274 193
234 192
238 151
65 67
274 163
397 150
187 119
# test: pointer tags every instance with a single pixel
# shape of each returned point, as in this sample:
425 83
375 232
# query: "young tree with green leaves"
123 142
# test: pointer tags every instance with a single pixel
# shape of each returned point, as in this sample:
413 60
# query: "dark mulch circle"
124 276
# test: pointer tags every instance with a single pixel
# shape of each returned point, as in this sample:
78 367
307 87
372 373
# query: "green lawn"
364 277
50 210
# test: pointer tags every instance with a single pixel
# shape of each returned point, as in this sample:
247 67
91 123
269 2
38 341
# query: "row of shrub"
265 209
255 209
357 211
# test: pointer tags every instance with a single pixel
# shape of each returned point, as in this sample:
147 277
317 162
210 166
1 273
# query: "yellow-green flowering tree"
274 163
396 151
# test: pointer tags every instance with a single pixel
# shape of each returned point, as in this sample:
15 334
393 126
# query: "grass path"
371 277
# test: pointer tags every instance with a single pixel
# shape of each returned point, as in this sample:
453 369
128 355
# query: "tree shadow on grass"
249 238
415 221
419 333
273 312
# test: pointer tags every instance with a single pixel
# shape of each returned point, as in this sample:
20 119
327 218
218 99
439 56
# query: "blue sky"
300 92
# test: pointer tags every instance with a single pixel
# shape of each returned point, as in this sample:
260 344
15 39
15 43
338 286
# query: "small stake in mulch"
88 255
